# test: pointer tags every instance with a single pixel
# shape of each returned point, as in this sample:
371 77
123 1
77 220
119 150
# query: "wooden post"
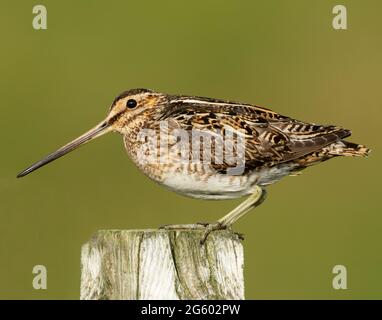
162 264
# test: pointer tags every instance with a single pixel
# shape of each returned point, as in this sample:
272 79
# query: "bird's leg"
251 202
229 219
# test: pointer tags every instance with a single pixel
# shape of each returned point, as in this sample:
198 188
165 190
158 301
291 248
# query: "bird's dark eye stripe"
131 103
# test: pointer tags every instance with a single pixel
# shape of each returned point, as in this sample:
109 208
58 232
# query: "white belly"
222 186
212 187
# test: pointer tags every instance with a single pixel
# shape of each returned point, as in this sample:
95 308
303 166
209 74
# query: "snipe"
163 134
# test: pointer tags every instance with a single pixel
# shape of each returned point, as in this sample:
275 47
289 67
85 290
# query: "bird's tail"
349 149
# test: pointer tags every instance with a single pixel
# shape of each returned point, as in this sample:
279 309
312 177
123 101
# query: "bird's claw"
206 226
211 227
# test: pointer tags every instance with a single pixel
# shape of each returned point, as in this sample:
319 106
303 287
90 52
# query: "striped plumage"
271 138
274 145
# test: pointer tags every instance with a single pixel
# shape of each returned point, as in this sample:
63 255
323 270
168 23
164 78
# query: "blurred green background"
57 83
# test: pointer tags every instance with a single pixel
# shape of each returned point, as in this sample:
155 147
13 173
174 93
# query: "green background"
57 83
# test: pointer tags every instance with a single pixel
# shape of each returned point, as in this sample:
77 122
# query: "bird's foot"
209 227
216 226
206 226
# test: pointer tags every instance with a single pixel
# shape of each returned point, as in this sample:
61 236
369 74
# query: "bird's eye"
131 103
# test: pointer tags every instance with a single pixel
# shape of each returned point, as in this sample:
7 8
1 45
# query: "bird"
163 135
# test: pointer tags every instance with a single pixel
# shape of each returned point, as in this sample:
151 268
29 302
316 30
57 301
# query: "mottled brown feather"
270 138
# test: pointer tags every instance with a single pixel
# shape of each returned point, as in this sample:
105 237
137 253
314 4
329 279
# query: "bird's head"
128 107
131 106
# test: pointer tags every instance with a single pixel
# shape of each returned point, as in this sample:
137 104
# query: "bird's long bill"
93 133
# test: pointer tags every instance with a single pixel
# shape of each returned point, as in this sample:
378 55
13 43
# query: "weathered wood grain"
162 264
